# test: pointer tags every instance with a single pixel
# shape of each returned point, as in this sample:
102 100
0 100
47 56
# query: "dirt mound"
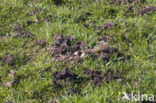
98 77
66 48
63 75
113 76
67 78
103 50
64 78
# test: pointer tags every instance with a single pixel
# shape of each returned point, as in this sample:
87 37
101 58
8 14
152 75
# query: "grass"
135 37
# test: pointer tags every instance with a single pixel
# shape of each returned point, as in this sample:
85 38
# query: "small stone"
76 53
83 55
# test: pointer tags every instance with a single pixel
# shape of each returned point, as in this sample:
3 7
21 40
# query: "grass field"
119 54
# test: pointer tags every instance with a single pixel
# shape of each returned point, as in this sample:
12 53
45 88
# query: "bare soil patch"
66 48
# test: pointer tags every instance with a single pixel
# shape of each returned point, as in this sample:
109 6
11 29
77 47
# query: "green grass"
135 36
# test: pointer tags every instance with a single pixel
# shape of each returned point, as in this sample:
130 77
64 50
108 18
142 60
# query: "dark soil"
30 22
113 76
63 75
58 2
103 51
65 48
98 77
63 78
68 49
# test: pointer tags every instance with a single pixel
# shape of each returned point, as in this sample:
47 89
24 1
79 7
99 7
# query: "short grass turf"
134 35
